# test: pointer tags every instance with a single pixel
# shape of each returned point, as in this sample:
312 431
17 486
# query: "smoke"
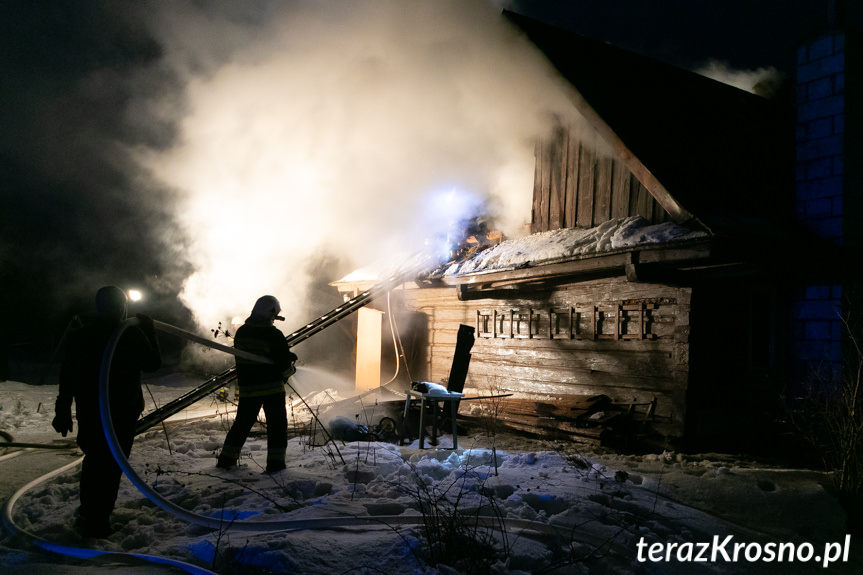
762 81
336 130
76 210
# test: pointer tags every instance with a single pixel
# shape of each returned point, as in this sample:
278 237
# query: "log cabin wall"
567 342
575 187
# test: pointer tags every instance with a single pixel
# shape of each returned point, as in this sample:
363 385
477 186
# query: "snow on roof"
555 245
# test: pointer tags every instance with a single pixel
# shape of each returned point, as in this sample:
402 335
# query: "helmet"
266 308
111 301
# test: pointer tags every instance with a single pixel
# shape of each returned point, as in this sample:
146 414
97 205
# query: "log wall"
645 356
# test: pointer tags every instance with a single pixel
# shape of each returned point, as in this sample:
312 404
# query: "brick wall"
820 134
820 203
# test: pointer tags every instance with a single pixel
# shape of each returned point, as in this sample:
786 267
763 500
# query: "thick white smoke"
315 128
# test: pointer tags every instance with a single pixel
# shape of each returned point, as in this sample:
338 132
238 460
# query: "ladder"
316 326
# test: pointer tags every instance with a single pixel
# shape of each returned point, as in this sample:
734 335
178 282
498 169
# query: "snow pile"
577 511
547 247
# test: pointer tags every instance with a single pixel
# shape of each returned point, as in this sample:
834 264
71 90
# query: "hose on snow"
251 525
79 552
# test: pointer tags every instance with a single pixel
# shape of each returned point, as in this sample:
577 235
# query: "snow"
581 509
561 244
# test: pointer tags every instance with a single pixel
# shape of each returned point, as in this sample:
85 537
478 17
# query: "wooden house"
680 342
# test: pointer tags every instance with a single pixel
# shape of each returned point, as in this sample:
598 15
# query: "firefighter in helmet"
261 385
137 350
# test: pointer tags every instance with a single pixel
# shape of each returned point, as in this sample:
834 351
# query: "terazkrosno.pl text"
730 551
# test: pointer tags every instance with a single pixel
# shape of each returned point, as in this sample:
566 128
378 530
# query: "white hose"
250 525
80 552
395 343
157 499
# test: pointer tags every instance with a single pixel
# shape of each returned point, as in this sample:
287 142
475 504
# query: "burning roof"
561 244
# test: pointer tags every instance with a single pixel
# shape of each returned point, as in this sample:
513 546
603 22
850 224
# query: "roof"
625 246
567 244
723 154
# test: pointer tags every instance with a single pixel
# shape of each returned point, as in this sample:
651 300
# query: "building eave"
631 262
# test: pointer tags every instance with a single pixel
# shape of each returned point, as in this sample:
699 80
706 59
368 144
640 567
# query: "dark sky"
746 34
76 212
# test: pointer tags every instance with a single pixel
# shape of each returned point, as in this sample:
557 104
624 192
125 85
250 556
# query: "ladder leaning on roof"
157 416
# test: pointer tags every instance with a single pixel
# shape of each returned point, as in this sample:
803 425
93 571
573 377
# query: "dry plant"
452 529
491 407
831 421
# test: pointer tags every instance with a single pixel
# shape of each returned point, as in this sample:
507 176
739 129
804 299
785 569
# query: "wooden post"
369 322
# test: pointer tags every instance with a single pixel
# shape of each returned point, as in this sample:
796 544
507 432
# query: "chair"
432 394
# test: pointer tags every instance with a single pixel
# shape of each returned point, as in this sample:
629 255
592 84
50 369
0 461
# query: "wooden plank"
602 197
557 185
573 163
547 163
644 203
659 213
586 187
692 252
620 186
536 207
554 190
563 162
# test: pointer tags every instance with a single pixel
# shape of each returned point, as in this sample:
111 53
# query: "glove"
146 325
292 368
62 422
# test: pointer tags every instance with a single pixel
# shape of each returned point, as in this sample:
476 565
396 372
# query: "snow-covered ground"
571 509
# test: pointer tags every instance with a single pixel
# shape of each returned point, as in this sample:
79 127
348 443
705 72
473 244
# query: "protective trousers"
277 429
100 474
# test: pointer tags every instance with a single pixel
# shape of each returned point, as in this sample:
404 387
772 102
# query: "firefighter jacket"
82 366
264 339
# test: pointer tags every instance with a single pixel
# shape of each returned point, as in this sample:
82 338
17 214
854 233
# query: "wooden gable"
576 187
714 157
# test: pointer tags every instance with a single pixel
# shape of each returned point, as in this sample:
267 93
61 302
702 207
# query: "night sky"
86 88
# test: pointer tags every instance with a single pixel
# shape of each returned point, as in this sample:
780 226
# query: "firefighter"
136 351
261 385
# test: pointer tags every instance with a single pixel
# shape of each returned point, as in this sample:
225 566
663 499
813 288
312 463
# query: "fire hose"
249 525
211 523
